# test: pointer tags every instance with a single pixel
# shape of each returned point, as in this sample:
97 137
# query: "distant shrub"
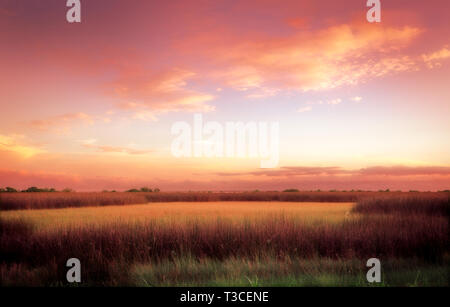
68 190
11 190
146 190
35 189
291 190
133 190
157 190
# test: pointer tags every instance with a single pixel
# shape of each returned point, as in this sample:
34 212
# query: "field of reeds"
236 243
47 200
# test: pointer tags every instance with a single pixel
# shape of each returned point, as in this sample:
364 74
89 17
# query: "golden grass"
57 219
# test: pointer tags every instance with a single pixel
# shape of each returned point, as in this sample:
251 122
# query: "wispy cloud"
309 104
62 122
91 143
17 145
399 170
434 59
317 60
149 94
334 101
304 109
356 99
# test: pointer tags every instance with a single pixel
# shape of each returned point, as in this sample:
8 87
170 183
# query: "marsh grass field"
209 239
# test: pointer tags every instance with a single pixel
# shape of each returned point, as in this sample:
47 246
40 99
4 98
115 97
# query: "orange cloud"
356 99
14 143
117 149
62 121
150 94
434 59
316 60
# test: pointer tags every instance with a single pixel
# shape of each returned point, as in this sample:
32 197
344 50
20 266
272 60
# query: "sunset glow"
90 106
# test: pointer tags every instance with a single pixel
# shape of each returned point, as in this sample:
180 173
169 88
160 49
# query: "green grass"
318 272
267 272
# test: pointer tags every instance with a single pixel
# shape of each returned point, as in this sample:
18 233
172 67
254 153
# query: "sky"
91 105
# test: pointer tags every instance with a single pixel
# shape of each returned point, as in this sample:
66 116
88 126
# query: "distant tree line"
35 189
143 190
32 190
149 190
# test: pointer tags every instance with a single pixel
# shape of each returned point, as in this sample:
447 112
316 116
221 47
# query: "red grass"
437 204
17 201
383 237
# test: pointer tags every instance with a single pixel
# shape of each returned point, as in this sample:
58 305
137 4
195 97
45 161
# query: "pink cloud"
117 149
160 92
434 59
304 109
62 121
343 54
406 170
400 170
